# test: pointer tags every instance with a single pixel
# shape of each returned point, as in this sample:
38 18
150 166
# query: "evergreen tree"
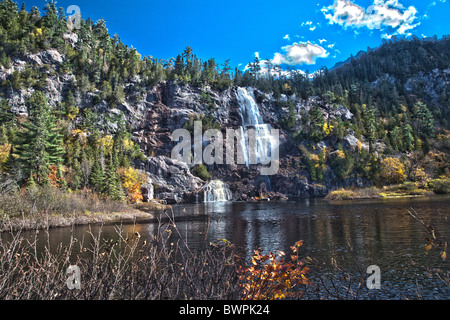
96 177
6 115
40 141
425 119
408 138
112 186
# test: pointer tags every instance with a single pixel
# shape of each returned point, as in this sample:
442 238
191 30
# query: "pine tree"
6 115
425 118
77 178
41 143
96 177
408 138
112 186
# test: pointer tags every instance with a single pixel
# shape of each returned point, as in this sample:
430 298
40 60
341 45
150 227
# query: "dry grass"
129 268
407 189
48 200
344 194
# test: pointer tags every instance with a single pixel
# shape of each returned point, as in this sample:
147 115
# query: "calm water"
356 234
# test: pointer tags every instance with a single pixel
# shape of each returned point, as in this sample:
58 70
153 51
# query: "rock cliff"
153 112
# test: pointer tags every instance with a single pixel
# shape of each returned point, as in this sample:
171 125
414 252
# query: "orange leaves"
55 176
271 277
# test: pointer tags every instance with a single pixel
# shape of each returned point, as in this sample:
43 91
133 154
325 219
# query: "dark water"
356 234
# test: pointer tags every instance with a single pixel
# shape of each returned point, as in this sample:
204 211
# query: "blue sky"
303 35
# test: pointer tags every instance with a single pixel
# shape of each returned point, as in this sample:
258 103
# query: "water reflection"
357 233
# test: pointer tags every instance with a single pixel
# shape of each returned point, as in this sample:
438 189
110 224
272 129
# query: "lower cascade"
217 191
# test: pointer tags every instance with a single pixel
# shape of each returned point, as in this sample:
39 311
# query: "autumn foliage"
55 177
392 171
271 277
132 181
5 150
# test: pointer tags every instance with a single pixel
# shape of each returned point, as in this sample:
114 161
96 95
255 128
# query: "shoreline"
43 221
374 193
147 212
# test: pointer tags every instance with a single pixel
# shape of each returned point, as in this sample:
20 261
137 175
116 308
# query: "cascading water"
217 191
249 109
251 117
254 152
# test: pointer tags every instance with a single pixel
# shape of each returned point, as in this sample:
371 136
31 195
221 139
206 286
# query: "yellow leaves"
327 128
340 154
359 144
127 144
287 87
392 171
5 150
420 175
314 157
37 33
132 181
73 113
444 252
106 143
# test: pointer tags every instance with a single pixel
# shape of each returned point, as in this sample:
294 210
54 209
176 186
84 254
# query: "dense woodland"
66 147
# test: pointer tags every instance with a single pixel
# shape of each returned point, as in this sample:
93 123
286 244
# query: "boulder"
50 57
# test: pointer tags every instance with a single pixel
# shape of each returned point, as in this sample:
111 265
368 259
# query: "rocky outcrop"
170 179
432 85
49 57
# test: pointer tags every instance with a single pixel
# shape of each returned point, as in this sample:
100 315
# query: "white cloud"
331 46
286 37
322 40
299 53
312 26
382 14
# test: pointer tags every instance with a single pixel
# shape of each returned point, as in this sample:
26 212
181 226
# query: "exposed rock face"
432 85
49 57
153 113
171 179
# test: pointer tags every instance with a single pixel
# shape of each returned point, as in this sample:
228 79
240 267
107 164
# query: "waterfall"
251 117
217 191
249 109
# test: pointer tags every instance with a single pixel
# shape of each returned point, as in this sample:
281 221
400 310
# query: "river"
352 234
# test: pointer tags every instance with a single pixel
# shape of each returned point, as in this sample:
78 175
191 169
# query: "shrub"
271 277
201 172
342 194
440 186
392 171
37 200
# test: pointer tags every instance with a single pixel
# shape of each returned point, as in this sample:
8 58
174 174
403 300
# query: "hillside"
81 110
